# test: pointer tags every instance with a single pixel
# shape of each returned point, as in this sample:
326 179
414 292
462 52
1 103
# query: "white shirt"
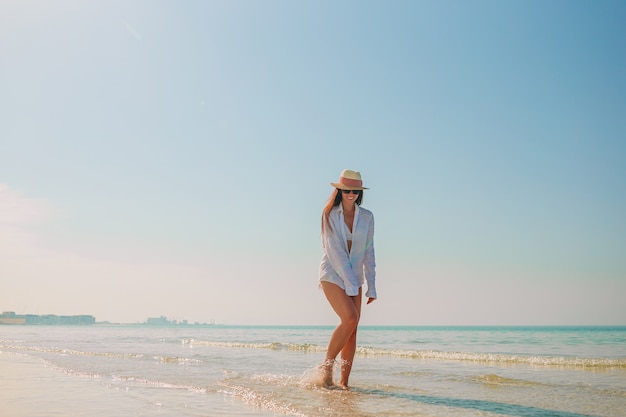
347 232
349 270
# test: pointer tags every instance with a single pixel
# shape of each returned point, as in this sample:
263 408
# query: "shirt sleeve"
336 251
369 261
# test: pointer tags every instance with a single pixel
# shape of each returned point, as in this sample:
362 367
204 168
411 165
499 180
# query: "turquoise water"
271 371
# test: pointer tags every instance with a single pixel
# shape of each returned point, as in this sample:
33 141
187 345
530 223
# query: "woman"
348 261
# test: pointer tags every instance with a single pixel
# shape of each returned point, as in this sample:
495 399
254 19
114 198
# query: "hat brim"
347 187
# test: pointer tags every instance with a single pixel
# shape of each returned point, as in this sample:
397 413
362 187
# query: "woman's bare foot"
327 368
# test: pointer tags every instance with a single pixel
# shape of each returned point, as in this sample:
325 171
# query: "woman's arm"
369 262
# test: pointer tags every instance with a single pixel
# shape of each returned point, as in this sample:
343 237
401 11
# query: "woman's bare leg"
348 310
349 349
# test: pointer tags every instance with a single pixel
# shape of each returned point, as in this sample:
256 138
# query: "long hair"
334 201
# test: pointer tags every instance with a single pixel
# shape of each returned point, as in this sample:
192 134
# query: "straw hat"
349 180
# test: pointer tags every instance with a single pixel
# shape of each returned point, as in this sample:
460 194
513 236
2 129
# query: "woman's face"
349 197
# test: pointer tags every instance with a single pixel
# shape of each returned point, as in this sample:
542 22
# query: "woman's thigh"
346 307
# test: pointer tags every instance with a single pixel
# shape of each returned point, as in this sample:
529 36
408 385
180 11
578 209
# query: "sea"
219 370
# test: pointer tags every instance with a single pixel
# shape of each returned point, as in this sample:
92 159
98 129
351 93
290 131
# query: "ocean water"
179 371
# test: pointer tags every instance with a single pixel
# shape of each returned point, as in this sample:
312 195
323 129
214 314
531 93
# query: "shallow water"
269 371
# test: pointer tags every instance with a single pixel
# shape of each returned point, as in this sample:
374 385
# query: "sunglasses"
351 191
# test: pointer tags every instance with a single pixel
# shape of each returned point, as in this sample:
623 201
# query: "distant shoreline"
10 318
330 327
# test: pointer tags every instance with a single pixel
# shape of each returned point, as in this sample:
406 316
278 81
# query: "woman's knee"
351 320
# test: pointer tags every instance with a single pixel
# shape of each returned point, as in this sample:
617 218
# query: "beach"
217 370
31 388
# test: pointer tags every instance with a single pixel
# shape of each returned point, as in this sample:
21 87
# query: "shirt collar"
340 208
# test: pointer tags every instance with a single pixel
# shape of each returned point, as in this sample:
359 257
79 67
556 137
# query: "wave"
362 351
74 352
62 351
500 381
266 401
305 347
490 358
496 358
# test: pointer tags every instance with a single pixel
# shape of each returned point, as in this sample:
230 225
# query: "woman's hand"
370 300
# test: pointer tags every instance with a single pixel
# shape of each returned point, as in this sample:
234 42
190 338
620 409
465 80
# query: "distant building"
9 317
163 321
159 321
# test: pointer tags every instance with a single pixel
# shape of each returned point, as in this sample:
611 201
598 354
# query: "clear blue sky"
172 158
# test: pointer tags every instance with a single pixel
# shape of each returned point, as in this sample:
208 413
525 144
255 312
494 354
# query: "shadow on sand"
481 405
